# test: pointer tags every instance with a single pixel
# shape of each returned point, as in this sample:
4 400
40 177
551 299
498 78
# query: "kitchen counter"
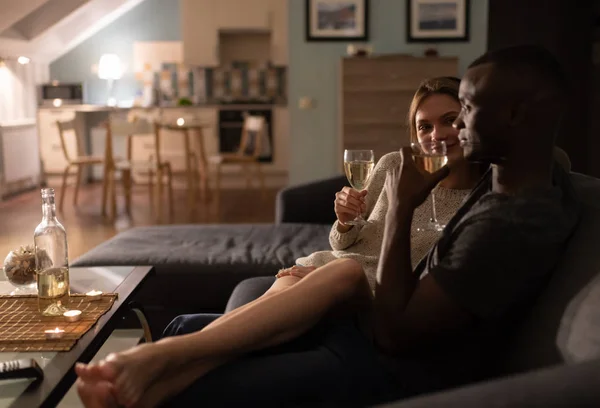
104 108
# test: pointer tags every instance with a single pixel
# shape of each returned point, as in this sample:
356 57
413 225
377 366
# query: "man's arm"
396 281
408 312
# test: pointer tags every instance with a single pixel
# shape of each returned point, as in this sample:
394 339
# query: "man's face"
484 120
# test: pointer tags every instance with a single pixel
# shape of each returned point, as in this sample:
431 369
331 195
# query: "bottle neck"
49 211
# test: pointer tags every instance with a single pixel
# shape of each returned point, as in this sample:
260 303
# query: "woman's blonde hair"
433 86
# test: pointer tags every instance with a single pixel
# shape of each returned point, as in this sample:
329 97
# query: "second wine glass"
430 156
358 165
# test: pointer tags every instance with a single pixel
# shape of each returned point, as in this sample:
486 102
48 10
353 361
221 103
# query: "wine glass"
430 156
358 165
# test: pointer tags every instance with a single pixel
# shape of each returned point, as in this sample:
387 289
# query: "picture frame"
437 20
337 20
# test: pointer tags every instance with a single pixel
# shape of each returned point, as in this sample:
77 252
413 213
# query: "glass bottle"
51 259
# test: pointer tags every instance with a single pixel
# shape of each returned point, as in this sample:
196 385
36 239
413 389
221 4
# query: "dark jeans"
331 365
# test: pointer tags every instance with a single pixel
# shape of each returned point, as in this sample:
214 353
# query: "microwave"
59 93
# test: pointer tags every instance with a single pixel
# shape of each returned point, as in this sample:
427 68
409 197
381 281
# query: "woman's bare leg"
280 284
268 321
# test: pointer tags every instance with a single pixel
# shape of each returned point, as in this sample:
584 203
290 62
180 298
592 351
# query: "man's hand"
408 186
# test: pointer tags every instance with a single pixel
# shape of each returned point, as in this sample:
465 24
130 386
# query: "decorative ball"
19 267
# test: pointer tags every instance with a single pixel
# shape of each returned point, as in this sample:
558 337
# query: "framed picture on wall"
437 20
337 20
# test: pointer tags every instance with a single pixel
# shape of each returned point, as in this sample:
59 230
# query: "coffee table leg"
139 312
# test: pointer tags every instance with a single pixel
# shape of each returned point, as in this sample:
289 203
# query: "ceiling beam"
15 10
69 31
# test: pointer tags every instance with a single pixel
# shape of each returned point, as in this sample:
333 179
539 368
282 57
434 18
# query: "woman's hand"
296 270
348 204
408 186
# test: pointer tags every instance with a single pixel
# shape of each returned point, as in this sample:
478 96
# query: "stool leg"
64 187
126 174
77 184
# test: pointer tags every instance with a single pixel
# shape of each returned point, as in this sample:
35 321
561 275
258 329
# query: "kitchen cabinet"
279 32
19 156
243 14
203 19
200 32
51 153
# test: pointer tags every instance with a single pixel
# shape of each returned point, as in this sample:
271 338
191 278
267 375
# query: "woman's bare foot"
129 373
96 394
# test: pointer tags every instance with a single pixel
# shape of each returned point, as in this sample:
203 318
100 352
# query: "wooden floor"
86 227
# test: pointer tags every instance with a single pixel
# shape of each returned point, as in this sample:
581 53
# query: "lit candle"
54 334
72 315
94 295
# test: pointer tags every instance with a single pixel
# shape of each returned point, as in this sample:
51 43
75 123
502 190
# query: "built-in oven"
231 122
60 93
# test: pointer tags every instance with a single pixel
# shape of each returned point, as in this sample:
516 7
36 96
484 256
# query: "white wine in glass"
430 156
358 165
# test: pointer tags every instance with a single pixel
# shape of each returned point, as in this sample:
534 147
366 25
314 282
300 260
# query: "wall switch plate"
306 102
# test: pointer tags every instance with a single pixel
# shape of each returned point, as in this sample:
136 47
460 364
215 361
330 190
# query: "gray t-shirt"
493 258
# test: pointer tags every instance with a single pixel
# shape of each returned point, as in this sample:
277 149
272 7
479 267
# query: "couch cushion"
561 321
197 266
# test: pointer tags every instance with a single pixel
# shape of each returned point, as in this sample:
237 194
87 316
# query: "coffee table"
59 375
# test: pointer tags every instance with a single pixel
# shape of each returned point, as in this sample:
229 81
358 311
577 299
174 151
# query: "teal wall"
313 72
152 20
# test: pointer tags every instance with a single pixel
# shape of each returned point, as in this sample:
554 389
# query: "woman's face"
433 122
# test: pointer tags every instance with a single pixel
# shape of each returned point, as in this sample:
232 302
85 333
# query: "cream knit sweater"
364 243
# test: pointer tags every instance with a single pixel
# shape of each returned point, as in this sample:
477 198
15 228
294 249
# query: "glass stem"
433 212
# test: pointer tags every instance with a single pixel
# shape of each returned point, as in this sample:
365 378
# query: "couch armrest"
559 386
309 203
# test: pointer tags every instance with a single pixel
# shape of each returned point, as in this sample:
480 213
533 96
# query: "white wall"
18 83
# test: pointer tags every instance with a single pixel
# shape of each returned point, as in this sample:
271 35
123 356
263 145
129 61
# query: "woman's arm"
341 236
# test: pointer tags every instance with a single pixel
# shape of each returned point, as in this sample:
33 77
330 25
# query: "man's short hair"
531 60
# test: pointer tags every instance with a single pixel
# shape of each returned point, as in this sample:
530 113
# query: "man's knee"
186 324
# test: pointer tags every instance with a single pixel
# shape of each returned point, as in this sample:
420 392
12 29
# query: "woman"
337 280
433 110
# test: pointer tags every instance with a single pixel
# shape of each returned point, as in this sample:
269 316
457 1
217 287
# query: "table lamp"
109 68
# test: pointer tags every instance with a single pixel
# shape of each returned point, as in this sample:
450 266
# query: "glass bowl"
19 269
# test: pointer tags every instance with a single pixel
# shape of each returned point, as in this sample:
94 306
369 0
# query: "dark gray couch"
198 266
557 348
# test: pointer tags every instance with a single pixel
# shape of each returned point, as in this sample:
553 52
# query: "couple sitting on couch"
367 325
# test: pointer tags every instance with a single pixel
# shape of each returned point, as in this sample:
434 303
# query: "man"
430 328
499 248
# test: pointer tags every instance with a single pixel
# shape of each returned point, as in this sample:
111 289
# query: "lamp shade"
109 67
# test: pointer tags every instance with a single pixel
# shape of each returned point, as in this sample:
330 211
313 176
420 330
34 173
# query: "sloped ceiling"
44 30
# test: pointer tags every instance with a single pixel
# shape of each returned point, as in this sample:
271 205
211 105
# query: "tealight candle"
94 294
72 315
54 334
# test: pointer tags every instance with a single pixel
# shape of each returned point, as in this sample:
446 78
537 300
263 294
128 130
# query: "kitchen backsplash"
237 81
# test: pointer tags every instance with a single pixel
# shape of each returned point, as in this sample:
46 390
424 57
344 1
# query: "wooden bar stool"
79 161
155 168
248 155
